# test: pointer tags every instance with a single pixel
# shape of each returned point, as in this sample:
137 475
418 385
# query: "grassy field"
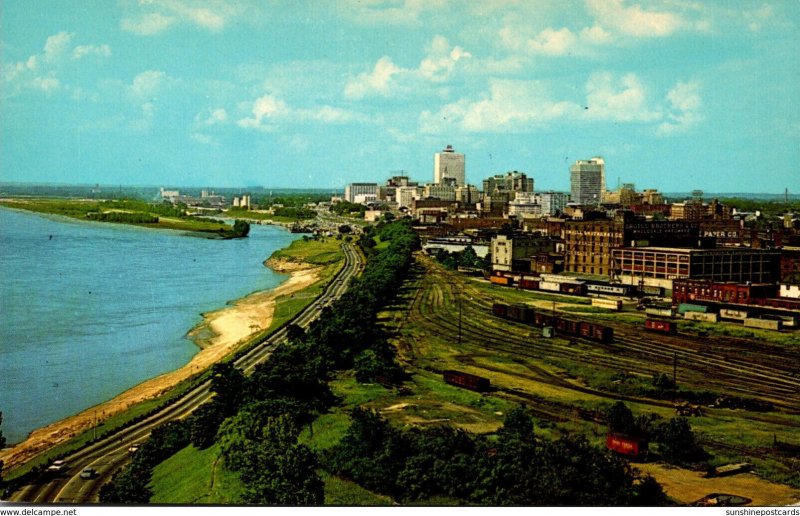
194 476
82 210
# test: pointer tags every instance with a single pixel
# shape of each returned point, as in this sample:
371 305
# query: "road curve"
110 453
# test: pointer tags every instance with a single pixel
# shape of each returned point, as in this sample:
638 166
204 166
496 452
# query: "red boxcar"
602 333
658 325
529 284
626 445
540 319
466 380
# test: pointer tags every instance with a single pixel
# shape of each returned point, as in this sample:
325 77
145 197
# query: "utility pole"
459 317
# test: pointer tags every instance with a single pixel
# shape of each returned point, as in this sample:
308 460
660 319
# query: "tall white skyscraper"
448 164
588 181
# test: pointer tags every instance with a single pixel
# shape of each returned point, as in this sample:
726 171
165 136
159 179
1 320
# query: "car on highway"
88 473
57 466
133 448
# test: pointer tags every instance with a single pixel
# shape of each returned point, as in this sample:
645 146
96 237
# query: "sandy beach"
218 335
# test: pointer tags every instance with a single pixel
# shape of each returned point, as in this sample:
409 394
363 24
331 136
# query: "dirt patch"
218 335
688 486
286 265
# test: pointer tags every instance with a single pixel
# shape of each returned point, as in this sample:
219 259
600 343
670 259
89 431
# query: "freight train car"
610 289
466 380
501 280
522 314
689 307
611 304
648 290
573 289
564 327
661 326
660 311
596 332
529 284
627 445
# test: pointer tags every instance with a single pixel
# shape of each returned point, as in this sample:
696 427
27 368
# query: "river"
88 310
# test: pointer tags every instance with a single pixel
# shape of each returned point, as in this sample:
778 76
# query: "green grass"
339 491
79 209
316 252
194 476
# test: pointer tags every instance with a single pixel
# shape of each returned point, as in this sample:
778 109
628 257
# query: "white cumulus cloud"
685 104
621 99
634 20
91 50
378 81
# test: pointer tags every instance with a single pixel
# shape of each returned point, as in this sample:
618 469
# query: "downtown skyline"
674 95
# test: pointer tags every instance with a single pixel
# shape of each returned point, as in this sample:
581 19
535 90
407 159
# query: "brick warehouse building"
659 266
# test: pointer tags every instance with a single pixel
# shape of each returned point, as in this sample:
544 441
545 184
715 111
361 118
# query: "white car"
57 466
88 473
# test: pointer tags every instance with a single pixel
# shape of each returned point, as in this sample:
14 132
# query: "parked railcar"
501 280
500 310
627 445
466 380
549 286
611 304
529 284
610 289
661 326
574 289
690 307
520 313
649 290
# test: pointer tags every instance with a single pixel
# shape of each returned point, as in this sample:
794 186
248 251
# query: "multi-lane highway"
110 453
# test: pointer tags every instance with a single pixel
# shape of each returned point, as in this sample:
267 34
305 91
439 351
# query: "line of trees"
256 419
123 217
514 467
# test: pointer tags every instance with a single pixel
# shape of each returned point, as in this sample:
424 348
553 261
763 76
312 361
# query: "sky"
674 94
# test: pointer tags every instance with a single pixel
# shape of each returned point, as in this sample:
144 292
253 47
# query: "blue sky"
674 94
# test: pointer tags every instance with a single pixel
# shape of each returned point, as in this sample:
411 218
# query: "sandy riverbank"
218 335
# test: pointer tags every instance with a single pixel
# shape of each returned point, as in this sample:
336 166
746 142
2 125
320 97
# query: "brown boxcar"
466 380
500 310
540 319
602 333
528 284
575 289
626 445
658 325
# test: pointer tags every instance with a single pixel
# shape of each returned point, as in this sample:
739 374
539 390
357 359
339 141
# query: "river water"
88 310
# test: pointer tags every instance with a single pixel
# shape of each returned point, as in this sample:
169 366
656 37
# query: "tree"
677 442
344 229
241 228
620 419
273 467
228 384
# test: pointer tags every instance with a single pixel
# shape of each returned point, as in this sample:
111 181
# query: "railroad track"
771 378
110 453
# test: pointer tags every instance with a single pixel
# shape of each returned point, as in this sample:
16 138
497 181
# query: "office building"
587 181
449 164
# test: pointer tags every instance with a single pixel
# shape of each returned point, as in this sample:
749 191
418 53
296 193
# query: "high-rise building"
510 182
361 192
588 181
448 164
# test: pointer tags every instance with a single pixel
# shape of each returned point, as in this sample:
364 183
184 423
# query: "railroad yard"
740 389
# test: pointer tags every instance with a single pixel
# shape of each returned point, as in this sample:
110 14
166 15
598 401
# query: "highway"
110 453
